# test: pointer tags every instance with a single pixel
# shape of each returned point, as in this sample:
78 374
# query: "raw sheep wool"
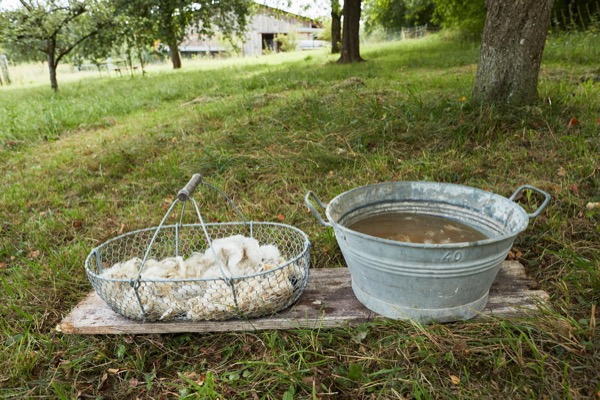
202 286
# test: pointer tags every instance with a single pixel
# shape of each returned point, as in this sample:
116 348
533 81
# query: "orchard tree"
170 18
52 29
173 20
511 51
130 36
350 32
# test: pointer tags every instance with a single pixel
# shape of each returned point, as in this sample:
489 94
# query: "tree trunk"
4 76
53 80
350 33
51 57
175 57
511 51
336 26
141 58
139 50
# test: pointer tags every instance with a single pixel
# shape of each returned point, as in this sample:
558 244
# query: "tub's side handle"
537 212
313 210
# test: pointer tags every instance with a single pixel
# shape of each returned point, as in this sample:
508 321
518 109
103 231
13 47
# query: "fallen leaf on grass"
309 380
455 379
195 377
572 122
514 255
34 254
167 201
574 189
114 371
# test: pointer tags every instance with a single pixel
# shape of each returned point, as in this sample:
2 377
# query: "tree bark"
52 64
511 51
336 26
350 33
174 50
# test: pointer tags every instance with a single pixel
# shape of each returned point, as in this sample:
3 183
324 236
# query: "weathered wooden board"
328 301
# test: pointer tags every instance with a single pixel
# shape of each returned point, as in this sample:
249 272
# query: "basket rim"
305 249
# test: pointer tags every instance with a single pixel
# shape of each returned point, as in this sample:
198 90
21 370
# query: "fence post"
4 77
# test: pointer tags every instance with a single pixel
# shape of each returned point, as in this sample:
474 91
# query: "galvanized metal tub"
425 282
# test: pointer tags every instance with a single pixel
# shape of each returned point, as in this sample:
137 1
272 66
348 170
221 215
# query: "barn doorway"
268 42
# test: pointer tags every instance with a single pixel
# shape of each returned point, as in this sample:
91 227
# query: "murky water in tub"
417 228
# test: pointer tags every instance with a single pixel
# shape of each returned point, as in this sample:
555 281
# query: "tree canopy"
169 21
465 16
392 15
51 30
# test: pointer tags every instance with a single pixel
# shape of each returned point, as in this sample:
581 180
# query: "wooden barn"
264 34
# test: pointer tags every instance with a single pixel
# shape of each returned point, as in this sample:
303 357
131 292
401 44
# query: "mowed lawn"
106 155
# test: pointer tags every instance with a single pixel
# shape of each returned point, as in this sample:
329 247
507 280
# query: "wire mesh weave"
196 299
201 299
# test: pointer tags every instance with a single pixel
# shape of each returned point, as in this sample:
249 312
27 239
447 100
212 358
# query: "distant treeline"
466 17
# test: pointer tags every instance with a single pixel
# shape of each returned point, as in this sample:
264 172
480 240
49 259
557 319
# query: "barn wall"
266 21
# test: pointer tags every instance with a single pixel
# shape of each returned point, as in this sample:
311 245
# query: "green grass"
104 155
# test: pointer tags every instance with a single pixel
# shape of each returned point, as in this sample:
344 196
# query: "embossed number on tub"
452 256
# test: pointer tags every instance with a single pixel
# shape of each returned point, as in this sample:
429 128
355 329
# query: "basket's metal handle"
313 210
185 193
537 212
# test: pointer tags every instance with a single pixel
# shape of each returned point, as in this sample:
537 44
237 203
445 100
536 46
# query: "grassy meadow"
106 155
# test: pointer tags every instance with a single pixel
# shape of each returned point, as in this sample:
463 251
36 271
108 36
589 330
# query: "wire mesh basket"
271 289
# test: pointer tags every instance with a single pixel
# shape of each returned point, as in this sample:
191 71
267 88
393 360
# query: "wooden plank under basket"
328 301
